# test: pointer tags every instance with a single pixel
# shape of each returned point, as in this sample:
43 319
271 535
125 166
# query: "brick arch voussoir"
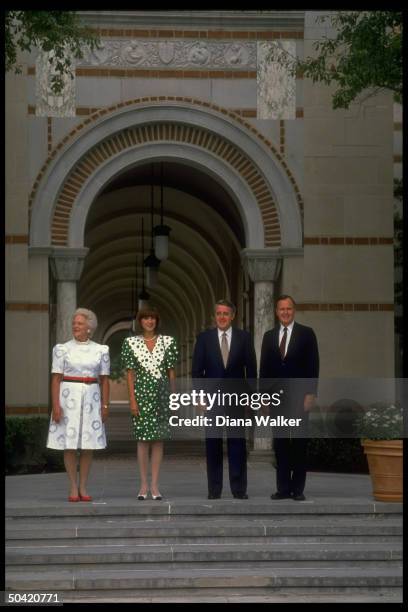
170 131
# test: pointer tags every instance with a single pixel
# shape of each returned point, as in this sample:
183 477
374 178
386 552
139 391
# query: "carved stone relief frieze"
276 85
49 103
172 54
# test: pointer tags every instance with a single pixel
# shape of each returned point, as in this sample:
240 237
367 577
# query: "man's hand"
309 402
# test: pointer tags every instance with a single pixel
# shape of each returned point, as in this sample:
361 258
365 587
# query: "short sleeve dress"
81 423
151 384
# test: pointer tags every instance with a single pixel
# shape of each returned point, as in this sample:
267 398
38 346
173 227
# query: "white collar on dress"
81 343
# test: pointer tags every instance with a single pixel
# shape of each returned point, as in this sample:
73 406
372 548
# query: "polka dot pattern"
151 384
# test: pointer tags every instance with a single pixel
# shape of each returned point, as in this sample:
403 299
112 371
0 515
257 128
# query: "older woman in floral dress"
80 396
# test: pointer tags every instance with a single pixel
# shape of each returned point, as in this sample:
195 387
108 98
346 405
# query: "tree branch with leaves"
364 55
58 31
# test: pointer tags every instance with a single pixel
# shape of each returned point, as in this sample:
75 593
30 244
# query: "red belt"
86 380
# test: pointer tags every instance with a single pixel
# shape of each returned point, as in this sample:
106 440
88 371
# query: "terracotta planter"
385 466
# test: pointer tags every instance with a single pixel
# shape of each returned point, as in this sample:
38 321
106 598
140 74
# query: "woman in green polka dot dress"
150 360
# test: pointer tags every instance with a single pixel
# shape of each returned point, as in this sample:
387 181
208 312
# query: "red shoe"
85 498
73 498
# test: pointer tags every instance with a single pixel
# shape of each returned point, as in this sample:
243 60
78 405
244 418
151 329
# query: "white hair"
89 316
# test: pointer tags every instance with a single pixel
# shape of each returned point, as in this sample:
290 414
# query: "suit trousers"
237 464
290 465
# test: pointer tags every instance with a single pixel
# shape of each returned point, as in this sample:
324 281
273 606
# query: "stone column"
66 265
263 267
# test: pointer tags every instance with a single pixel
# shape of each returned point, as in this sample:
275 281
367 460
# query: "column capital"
40 251
67 263
262 264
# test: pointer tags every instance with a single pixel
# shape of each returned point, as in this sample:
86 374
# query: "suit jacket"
300 362
208 364
207 358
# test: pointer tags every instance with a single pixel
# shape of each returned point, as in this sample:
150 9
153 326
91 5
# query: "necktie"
282 345
224 349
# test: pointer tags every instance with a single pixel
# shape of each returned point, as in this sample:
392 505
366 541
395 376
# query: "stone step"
187 565
300 540
238 595
86 529
256 576
73 553
227 508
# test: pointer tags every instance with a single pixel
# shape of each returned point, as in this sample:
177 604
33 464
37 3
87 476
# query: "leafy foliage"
25 450
364 54
117 370
381 421
57 31
342 455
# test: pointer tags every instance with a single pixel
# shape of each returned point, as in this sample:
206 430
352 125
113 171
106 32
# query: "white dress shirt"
288 335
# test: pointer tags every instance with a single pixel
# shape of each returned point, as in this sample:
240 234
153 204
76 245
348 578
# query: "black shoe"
280 496
240 496
212 496
299 497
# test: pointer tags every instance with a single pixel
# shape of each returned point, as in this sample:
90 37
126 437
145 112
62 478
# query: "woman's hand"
131 379
134 408
104 385
104 412
57 413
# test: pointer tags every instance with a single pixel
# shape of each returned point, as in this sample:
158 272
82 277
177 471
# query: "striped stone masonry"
347 240
250 113
27 307
161 74
228 34
26 410
345 307
17 239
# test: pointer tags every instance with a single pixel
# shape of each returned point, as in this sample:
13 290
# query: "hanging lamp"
151 262
143 295
161 232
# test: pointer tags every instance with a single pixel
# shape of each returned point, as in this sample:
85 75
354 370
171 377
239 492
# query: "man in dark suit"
225 354
289 351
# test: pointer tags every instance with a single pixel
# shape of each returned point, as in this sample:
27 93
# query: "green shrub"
26 437
336 455
381 421
327 451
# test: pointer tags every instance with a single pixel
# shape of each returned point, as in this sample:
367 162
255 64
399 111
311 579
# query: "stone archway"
210 140
263 191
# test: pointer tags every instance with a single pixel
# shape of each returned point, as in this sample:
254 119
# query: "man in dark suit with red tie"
289 352
227 356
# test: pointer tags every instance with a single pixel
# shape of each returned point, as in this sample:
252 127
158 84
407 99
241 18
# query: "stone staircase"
195 550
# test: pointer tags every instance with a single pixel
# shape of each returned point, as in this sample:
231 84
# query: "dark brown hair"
148 311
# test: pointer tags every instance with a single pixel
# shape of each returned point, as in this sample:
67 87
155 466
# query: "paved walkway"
182 478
